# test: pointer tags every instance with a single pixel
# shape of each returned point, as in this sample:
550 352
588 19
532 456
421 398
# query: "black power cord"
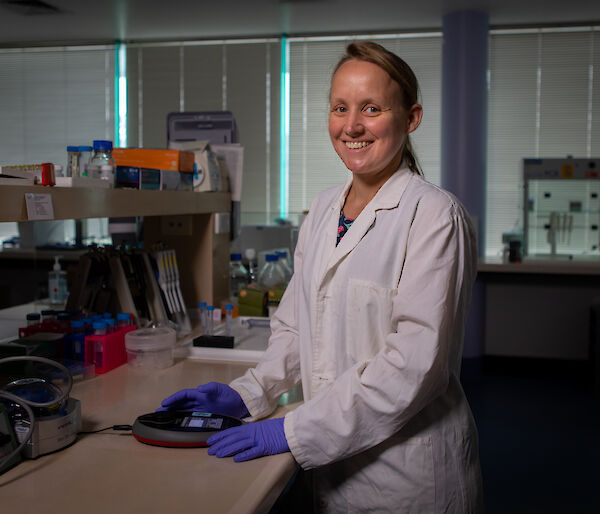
114 427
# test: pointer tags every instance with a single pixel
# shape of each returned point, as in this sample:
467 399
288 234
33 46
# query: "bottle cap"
210 308
33 315
123 316
236 257
228 307
48 312
107 315
85 149
63 316
99 325
271 257
72 149
102 144
110 322
202 304
76 323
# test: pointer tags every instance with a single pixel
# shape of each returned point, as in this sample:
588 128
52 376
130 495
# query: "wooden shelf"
77 203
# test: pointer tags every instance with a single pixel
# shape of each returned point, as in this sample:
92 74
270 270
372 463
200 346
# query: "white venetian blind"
51 98
313 164
242 77
544 101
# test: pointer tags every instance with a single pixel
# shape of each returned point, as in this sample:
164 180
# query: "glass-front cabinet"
561 208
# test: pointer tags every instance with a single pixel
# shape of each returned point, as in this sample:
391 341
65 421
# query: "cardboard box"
158 159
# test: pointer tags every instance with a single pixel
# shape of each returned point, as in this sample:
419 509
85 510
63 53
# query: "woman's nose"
353 125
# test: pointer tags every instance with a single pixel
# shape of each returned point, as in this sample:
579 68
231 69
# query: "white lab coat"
373 329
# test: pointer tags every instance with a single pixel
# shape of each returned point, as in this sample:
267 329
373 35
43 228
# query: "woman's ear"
413 118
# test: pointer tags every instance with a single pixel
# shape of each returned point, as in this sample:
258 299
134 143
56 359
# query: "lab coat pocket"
368 318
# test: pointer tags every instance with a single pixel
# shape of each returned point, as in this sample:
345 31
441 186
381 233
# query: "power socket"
176 225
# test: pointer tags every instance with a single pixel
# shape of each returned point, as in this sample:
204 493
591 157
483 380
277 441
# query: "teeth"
357 144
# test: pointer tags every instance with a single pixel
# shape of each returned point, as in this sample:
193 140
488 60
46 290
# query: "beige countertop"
112 472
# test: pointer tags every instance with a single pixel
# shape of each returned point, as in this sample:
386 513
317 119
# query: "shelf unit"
184 220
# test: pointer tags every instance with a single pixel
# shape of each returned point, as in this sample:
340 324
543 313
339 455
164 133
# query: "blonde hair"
399 71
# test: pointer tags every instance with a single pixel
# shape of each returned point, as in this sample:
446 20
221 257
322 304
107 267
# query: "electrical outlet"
176 225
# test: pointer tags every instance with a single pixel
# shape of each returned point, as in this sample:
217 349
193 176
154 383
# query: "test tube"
111 325
228 319
33 318
48 315
209 320
99 330
77 328
202 313
123 319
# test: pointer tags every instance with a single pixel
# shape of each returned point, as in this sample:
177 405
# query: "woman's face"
367 122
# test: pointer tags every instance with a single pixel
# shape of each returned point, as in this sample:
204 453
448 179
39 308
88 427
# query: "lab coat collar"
388 197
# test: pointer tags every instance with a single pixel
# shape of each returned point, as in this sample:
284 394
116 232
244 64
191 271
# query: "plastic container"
271 275
150 347
57 283
33 318
72 161
85 155
252 265
102 165
238 275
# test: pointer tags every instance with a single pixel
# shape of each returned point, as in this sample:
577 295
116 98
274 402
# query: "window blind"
541 104
242 77
313 164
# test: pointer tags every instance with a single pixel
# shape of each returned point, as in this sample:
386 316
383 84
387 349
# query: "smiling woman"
371 323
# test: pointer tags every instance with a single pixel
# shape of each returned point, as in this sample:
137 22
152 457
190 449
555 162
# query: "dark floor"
539 438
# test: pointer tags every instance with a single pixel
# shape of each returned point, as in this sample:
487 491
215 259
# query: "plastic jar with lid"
33 318
102 164
271 275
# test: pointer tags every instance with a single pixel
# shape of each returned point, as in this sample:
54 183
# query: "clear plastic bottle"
252 265
72 161
238 275
102 164
57 283
85 154
284 265
271 274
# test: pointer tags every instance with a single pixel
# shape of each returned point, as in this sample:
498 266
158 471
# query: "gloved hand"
212 397
250 441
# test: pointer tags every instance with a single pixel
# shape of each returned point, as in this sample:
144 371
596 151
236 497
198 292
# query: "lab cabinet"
561 208
201 242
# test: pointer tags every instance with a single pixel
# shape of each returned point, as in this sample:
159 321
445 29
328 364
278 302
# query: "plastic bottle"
102 164
111 325
238 275
228 319
57 283
271 274
252 265
72 161
78 332
85 154
48 315
284 265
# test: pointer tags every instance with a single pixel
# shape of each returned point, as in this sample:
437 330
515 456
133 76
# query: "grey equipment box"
217 127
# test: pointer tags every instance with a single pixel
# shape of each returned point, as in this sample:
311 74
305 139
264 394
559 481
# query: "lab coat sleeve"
279 369
374 399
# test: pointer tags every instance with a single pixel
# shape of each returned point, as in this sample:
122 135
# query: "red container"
107 352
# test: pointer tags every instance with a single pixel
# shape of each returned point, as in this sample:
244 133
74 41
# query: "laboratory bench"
112 472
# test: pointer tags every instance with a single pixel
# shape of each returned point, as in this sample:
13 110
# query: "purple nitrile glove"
250 441
212 397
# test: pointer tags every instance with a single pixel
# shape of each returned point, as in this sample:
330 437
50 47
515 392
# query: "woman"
372 321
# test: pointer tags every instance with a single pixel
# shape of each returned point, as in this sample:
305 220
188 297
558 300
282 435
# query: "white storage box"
150 347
